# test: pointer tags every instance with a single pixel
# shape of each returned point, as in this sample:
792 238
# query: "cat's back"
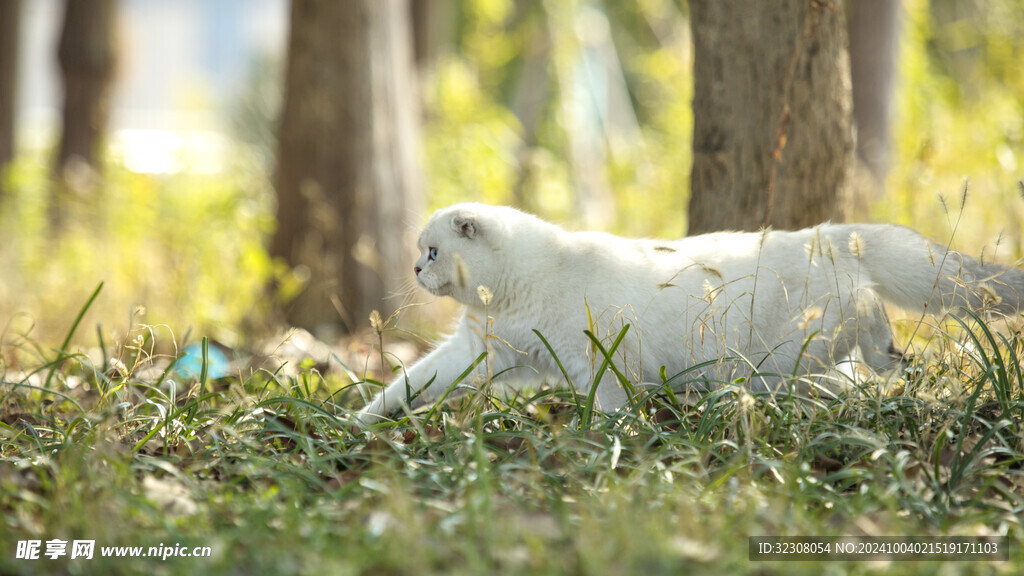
718 246
605 253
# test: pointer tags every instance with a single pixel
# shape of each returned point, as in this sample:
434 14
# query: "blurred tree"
874 32
10 23
773 139
539 100
532 96
433 32
87 56
348 185
257 108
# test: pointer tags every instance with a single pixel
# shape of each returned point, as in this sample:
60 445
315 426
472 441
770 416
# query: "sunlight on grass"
268 470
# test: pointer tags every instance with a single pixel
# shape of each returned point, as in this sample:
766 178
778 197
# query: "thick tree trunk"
874 33
10 23
86 56
347 182
773 143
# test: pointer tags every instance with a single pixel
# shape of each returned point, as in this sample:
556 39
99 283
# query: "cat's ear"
465 225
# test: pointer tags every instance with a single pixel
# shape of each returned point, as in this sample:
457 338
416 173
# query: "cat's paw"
363 419
373 413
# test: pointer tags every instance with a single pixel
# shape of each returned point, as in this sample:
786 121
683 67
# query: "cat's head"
461 249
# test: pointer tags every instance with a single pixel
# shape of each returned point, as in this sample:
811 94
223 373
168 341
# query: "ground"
263 471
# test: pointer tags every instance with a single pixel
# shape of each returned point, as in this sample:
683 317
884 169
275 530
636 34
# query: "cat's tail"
918 274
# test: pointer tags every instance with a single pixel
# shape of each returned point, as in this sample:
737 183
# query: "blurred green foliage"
960 114
185 250
477 147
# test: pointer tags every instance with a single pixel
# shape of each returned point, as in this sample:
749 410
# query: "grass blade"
558 362
204 371
588 410
465 374
62 354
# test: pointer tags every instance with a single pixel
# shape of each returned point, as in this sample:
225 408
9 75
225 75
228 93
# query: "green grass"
266 470
160 244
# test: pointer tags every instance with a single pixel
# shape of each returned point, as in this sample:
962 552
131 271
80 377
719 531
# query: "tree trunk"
773 143
433 30
347 182
531 98
874 33
10 23
86 55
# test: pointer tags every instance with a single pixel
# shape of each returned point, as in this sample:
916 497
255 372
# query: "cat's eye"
432 254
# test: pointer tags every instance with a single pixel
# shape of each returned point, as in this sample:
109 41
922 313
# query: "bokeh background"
577 110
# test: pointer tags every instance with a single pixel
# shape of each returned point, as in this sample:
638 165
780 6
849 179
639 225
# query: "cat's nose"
417 269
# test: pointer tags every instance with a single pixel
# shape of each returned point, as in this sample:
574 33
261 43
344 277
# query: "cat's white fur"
717 304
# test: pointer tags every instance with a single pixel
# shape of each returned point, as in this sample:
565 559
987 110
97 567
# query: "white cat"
722 305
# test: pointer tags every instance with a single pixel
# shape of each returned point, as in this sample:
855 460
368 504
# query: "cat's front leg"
428 378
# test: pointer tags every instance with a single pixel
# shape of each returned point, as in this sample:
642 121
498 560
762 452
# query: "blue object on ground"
190 364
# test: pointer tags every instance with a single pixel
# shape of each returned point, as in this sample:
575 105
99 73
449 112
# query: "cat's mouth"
442 290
